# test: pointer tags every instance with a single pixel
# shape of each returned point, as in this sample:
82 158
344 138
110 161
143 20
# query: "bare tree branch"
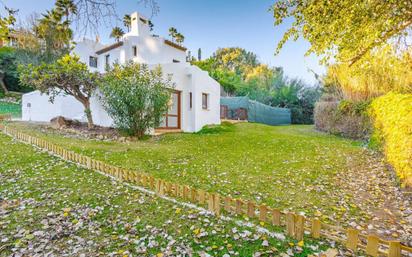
92 14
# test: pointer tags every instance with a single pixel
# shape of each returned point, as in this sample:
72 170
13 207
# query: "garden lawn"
50 206
10 108
287 167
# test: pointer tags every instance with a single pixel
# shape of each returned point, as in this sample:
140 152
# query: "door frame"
179 111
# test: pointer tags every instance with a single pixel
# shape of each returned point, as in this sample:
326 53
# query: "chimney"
140 25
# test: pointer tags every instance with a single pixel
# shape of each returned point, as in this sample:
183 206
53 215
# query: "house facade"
195 99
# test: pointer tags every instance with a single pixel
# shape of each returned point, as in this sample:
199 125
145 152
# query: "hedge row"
342 118
392 120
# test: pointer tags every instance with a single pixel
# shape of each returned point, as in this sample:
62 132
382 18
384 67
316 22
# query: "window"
93 61
190 100
205 101
134 51
176 61
107 61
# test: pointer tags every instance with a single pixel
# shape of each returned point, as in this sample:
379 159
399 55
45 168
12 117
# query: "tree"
172 33
54 28
240 73
117 33
199 54
66 8
68 76
180 38
344 30
9 75
381 71
135 97
6 24
235 59
5 28
127 21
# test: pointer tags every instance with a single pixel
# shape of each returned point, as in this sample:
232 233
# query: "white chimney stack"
140 25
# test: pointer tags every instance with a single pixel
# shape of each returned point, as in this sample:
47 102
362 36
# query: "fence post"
251 209
276 217
216 203
316 226
186 191
372 245
161 187
201 196
89 163
353 237
262 212
394 249
239 206
151 182
138 178
228 202
193 195
299 227
210 203
290 224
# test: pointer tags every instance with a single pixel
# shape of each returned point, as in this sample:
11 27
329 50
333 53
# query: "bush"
217 129
343 118
135 97
8 65
392 119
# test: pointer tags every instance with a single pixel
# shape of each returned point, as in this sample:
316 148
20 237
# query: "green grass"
288 167
43 194
10 108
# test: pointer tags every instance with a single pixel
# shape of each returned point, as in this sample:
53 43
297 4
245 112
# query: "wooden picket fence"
4 117
295 225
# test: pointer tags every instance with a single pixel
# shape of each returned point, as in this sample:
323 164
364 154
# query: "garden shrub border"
391 115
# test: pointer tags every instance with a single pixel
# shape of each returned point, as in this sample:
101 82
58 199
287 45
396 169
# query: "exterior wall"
37 107
85 49
203 83
152 51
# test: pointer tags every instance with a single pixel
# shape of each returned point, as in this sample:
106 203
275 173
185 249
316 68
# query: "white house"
195 98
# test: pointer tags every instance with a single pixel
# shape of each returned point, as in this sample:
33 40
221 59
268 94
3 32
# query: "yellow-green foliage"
379 72
392 117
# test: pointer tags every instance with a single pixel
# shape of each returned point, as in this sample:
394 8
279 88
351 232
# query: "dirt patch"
79 130
376 193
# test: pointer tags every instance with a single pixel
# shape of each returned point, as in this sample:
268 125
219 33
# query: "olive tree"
135 97
68 76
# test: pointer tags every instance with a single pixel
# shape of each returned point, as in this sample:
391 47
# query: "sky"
210 24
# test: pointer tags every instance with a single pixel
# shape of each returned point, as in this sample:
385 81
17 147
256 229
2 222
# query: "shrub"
135 97
217 129
348 119
392 119
8 66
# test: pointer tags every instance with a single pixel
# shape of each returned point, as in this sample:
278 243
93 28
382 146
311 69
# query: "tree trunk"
2 84
88 112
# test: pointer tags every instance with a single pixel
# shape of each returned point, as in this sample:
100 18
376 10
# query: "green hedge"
344 118
392 120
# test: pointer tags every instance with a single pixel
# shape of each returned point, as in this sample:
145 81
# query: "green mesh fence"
256 112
